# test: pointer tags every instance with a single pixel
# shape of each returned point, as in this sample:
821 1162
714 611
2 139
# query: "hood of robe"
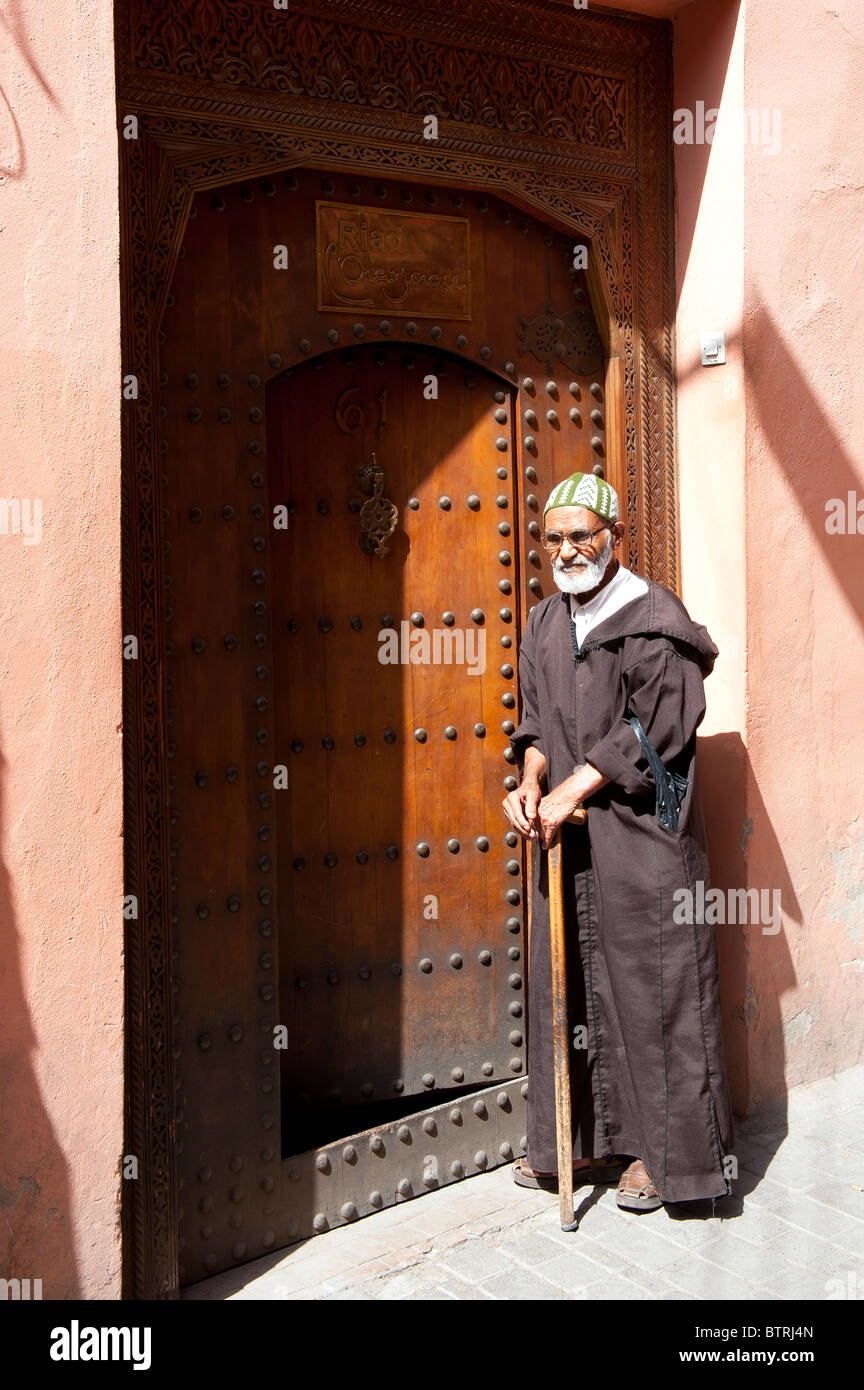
657 613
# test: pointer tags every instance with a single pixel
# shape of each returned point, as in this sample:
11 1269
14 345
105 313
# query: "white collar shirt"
622 589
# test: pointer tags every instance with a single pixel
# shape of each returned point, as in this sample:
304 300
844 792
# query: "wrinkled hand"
520 808
556 807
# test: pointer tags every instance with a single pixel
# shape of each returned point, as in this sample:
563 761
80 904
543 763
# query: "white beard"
582 575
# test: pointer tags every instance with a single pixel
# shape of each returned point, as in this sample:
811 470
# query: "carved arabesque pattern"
656 306
150 1250
254 45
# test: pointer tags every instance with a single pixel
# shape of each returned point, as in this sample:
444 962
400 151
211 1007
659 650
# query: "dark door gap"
312 1126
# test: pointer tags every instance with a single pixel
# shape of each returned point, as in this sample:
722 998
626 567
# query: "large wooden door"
346 898
394 689
252 137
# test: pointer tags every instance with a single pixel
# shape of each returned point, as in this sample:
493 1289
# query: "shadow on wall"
710 31
36 1237
807 450
732 805
798 441
13 158
797 429
791 430
804 445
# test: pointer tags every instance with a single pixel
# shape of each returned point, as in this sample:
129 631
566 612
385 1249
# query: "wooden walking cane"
560 1029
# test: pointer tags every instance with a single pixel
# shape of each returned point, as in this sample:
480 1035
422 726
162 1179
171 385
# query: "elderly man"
649 1096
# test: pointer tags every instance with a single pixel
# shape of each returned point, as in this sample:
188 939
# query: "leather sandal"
597 1172
636 1190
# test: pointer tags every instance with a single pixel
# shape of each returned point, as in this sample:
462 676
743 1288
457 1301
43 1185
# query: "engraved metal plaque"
412 264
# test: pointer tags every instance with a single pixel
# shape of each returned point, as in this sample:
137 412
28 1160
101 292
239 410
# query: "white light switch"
713 349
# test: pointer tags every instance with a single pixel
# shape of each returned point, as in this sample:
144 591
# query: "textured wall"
709 254
61 1075
804 257
770 248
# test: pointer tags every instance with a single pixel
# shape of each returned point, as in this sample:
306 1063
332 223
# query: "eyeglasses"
580 540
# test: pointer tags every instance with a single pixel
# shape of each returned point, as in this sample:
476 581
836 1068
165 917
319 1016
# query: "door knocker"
378 516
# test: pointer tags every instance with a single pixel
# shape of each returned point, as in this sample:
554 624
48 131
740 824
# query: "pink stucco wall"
803 318
771 249
61 998
709 253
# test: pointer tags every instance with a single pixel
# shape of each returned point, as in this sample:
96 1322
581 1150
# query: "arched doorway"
347 905
394 690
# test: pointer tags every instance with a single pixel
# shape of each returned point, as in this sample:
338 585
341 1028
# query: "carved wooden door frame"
563 113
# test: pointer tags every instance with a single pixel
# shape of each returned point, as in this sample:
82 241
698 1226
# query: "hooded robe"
651 1080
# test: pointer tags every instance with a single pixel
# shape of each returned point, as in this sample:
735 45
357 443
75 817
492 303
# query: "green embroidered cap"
585 490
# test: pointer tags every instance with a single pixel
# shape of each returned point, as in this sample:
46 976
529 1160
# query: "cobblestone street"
793 1228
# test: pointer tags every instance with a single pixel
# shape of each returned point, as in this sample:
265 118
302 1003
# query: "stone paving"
793 1228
